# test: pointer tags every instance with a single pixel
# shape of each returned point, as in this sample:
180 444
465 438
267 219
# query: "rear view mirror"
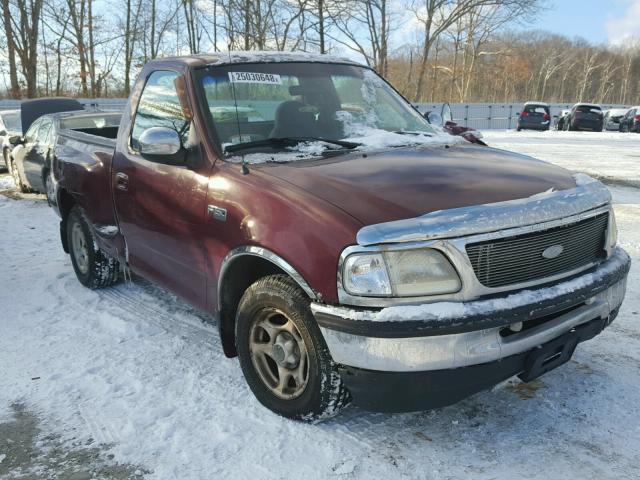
162 145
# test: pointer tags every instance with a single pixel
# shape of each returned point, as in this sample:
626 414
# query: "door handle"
122 181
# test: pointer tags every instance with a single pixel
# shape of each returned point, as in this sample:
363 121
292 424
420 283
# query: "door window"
32 132
43 132
159 107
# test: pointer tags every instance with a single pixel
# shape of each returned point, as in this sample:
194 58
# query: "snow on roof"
618 111
226 58
537 103
590 105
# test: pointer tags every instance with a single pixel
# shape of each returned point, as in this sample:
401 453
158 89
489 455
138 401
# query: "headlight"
366 274
421 272
405 273
612 232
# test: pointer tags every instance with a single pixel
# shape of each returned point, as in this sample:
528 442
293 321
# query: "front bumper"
462 346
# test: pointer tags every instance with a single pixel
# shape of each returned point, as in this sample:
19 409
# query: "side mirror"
3 132
162 145
435 119
16 140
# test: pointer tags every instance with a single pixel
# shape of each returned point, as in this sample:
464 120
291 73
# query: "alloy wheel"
279 354
79 246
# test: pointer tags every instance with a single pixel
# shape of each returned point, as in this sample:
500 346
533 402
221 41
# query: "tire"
49 188
274 325
17 178
93 267
5 158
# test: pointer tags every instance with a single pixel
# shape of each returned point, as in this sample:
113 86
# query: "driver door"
161 207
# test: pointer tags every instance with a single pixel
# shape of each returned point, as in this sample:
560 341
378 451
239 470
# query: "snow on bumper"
445 335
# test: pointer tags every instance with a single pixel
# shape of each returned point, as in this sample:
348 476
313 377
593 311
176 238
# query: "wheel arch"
240 268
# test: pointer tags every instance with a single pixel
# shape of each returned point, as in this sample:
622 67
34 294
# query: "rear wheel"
283 356
93 267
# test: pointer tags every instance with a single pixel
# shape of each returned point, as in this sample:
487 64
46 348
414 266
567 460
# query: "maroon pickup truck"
349 250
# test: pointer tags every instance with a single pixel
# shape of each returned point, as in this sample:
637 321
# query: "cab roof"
228 58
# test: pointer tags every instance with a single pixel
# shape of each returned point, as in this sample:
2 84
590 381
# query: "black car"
585 116
10 126
534 116
31 158
631 121
562 119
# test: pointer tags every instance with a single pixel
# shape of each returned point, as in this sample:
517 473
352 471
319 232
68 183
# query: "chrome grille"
512 260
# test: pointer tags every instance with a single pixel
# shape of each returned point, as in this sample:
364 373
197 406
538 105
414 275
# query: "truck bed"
82 163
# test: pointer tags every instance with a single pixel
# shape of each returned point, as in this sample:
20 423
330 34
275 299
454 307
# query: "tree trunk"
11 51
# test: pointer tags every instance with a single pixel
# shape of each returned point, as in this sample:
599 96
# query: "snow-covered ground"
140 374
611 156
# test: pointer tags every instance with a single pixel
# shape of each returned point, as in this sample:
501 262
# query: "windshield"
588 109
12 121
91 121
251 103
536 109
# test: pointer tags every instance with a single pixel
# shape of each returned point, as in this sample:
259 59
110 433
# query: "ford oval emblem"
553 251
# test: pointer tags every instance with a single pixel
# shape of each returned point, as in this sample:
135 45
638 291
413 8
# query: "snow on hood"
371 139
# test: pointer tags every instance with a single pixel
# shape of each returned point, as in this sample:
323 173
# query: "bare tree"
11 50
365 26
25 22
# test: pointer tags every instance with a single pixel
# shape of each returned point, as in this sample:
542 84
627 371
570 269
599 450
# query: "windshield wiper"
405 132
281 142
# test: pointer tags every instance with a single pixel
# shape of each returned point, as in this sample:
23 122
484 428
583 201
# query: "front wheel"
5 157
17 178
282 353
49 187
93 267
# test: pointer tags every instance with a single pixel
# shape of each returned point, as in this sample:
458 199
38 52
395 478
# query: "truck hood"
407 182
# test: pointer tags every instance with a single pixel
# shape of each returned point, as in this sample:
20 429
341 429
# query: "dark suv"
534 116
585 116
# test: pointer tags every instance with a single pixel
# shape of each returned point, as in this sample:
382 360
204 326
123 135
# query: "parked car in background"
32 155
612 117
30 111
348 249
534 116
10 126
562 119
631 120
584 116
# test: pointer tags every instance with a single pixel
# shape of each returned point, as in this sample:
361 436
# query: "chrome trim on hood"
459 222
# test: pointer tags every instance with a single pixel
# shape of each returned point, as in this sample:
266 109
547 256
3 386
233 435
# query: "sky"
598 21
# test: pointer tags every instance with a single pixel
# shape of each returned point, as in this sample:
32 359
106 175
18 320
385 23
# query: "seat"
292 121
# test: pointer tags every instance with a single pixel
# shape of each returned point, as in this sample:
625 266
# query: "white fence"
498 116
482 116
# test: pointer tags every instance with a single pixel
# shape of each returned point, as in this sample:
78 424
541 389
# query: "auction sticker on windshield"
251 77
